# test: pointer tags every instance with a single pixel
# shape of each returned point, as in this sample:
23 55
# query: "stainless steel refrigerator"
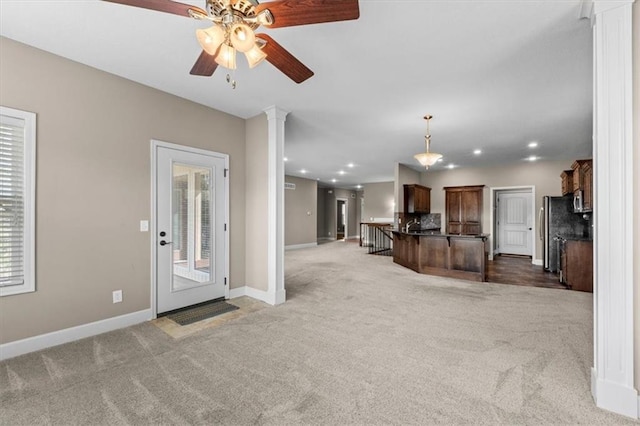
558 222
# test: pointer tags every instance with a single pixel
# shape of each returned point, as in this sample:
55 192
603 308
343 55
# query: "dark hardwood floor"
518 270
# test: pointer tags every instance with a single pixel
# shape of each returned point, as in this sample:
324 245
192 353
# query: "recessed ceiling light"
358 186
477 151
533 144
303 171
451 166
334 180
341 172
285 159
532 158
350 165
440 160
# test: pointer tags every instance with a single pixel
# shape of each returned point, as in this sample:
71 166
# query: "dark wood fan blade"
287 13
284 61
205 65
161 6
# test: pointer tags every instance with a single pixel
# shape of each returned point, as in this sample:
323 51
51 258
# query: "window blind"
12 201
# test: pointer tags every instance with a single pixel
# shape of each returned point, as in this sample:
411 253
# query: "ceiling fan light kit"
226 56
234 24
427 158
210 39
242 38
255 56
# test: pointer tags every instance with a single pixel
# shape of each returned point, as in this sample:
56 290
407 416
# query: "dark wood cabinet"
405 250
577 263
417 199
587 189
567 182
464 209
463 257
583 181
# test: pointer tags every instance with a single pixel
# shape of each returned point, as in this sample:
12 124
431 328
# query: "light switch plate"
144 226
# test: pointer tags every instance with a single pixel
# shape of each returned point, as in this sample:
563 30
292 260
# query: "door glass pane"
192 225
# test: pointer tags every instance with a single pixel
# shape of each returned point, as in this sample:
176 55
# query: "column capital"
600 6
276 113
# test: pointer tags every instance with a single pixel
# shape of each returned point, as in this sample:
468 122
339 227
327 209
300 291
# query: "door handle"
164 243
540 222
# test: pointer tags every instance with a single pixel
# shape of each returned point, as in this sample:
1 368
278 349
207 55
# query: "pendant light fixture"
427 158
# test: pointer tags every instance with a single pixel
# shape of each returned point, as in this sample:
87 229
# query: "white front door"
514 223
190 226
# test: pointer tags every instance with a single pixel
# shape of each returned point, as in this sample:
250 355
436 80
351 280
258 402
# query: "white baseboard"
537 262
300 246
614 397
237 292
264 296
55 338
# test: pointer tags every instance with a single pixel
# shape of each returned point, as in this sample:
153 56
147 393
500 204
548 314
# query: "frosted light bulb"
210 39
226 57
242 37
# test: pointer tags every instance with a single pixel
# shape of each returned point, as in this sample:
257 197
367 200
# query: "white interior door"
514 223
190 227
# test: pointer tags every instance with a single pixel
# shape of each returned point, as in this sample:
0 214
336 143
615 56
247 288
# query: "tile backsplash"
430 221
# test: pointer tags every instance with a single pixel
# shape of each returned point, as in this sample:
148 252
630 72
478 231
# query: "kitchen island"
445 255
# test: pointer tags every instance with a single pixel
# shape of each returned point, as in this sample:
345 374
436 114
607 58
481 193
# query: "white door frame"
155 144
492 219
346 216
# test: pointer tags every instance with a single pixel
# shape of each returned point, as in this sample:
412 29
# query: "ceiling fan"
234 24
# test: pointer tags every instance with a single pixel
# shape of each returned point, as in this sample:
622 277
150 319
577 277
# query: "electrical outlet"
117 296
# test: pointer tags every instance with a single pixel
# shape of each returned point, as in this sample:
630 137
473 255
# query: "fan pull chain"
231 81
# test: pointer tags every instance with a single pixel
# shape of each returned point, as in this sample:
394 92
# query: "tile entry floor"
177 331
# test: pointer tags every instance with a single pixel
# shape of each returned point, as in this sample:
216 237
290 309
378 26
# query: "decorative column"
275 214
612 374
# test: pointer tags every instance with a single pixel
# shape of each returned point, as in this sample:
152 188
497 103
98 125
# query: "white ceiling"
495 75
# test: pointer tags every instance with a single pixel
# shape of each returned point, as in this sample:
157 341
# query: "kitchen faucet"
407 226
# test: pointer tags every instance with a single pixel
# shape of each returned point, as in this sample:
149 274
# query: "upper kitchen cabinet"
583 185
567 182
417 199
464 209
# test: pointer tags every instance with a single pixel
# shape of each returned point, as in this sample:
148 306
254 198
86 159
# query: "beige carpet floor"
359 341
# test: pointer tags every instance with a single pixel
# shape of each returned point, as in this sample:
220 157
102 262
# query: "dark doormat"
200 312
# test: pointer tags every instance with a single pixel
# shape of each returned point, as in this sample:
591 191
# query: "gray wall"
322 230
379 201
543 175
352 222
257 191
404 176
330 195
359 198
300 206
93 186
